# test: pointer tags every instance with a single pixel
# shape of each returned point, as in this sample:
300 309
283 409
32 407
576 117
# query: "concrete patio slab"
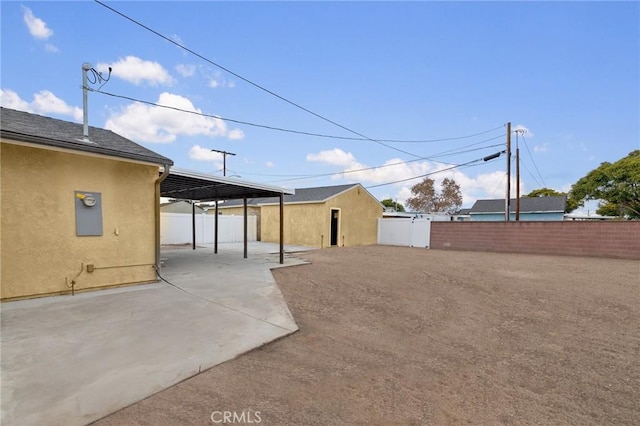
70 360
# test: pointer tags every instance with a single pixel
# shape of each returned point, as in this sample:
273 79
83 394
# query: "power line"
253 83
281 129
319 175
533 161
432 173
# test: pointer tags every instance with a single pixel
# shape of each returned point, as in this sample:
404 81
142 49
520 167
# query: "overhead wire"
468 163
248 81
533 161
343 172
281 129
429 158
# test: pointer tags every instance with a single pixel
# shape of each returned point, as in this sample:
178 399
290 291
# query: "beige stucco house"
75 214
342 215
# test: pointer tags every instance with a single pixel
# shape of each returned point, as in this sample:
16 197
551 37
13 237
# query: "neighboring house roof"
527 205
37 129
317 194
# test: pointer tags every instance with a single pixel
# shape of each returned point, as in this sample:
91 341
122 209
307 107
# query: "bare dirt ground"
392 335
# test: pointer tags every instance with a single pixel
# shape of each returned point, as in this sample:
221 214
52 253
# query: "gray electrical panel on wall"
88 213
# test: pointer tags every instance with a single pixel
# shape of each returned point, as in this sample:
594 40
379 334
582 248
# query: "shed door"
335 218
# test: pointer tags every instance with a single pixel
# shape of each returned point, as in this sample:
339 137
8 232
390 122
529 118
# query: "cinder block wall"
619 239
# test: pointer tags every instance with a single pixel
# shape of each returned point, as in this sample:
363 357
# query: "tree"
548 192
425 198
544 192
390 203
615 185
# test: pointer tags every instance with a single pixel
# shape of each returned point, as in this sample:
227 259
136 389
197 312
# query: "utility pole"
507 200
518 131
224 160
517 184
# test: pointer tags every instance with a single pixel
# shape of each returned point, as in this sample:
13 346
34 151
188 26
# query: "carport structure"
193 186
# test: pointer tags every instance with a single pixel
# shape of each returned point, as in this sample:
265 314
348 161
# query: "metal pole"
245 227
517 182
85 102
215 231
281 228
193 223
507 200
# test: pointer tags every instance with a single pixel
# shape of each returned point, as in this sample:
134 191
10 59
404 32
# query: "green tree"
544 192
390 203
548 192
425 199
615 185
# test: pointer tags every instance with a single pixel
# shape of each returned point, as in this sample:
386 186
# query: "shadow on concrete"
70 360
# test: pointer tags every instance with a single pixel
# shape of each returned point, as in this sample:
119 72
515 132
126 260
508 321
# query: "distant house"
341 215
531 209
77 214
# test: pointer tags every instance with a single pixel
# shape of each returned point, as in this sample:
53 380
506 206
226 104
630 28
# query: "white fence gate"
404 232
176 228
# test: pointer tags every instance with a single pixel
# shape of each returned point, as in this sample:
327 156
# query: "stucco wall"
310 224
40 249
607 239
237 211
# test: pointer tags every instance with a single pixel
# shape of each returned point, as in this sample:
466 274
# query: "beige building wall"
309 224
236 211
41 253
359 213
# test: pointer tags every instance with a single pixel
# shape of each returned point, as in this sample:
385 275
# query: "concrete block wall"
617 239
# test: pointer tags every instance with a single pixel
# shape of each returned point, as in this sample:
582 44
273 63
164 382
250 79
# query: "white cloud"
519 127
336 157
148 123
44 102
37 27
51 48
480 186
199 153
138 71
269 164
177 39
541 148
186 70
213 83
235 134
231 84
10 99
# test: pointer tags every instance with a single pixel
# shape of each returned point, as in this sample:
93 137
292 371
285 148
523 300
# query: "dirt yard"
392 335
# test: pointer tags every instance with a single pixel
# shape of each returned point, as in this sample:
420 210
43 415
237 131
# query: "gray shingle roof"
302 195
527 205
37 129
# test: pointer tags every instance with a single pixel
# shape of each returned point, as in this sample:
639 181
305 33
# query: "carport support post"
193 223
215 231
281 228
245 225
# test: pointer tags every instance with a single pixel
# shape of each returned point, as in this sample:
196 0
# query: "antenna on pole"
97 78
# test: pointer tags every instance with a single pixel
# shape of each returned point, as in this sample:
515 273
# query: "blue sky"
566 72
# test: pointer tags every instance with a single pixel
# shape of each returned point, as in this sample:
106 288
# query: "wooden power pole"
507 200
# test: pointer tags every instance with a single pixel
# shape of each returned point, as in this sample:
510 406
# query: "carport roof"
189 185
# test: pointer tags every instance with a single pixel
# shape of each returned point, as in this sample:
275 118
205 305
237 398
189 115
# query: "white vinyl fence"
175 228
404 232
